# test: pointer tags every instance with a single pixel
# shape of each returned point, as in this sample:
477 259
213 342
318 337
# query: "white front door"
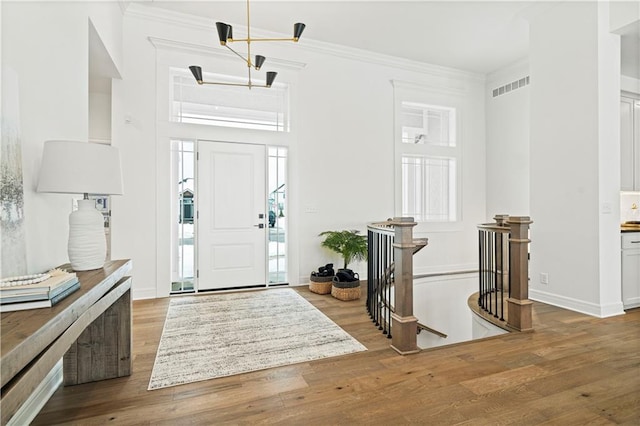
231 215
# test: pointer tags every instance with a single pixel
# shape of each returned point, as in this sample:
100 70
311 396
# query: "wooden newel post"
404 324
519 305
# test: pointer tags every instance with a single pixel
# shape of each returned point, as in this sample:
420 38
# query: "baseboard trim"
589 308
32 406
144 293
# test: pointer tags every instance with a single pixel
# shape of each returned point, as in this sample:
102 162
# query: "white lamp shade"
72 167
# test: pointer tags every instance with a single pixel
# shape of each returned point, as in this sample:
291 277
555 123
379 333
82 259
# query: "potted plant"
352 247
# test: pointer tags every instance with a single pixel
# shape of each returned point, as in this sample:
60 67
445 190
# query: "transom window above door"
227 106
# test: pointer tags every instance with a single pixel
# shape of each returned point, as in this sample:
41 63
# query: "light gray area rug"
211 336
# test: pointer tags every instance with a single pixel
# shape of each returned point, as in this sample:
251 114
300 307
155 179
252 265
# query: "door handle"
261 225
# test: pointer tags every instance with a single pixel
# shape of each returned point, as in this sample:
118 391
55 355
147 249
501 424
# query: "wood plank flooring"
572 370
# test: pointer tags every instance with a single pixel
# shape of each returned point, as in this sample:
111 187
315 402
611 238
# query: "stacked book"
37 291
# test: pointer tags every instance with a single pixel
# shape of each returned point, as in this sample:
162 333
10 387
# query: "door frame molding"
163 198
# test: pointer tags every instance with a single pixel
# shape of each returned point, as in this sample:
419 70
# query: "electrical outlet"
544 278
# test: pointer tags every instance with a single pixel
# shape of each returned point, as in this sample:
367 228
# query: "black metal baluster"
498 243
391 283
486 269
369 274
385 301
479 267
482 283
502 260
378 283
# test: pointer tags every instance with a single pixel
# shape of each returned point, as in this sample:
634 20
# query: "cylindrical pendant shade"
224 32
298 28
197 73
71 167
271 75
259 61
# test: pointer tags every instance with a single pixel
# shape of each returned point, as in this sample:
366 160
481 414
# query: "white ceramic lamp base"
87 241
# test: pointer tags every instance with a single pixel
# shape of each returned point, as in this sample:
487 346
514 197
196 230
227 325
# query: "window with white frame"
428 159
226 106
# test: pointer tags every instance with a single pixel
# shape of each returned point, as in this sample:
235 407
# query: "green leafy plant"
349 244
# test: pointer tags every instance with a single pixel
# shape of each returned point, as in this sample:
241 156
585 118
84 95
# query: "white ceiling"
476 36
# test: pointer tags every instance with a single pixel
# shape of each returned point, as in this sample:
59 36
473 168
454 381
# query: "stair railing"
504 270
390 281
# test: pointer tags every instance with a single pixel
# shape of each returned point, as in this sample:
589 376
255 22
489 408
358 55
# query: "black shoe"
347 276
326 271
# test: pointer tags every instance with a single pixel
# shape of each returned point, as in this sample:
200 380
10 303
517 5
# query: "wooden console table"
90 330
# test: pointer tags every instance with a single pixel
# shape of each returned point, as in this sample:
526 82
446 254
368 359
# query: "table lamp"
73 167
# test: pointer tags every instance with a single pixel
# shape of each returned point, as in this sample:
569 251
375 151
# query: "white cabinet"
630 269
629 144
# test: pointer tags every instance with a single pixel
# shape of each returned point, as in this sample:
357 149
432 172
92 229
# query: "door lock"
261 225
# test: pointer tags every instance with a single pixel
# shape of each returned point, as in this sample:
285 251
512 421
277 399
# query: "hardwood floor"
572 370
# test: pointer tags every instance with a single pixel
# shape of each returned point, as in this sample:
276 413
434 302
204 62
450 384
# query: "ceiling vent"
510 87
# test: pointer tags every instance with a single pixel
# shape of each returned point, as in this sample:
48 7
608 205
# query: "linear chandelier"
225 33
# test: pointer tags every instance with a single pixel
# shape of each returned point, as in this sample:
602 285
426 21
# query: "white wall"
99 117
575 235
52 73
46 44
622 15
341 148
508 143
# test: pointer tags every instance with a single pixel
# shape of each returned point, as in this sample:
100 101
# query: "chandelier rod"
249 44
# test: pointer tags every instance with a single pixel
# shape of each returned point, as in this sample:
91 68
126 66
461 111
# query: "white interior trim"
589 308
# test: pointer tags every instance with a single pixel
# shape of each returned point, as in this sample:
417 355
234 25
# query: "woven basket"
320 285
346 291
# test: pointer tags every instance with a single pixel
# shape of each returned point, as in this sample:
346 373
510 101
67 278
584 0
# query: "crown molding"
170 17
193 22
367 56
180 46
123 6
